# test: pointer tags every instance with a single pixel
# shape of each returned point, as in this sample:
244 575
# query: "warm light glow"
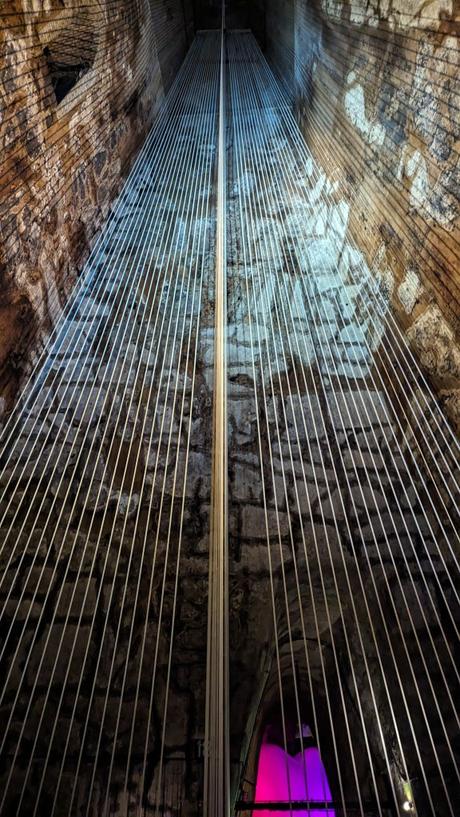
408 806
281 778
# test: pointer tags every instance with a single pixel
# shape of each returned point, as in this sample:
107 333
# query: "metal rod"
217 766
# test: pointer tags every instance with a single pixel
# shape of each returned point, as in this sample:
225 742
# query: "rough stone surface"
62 160
376 88
336 439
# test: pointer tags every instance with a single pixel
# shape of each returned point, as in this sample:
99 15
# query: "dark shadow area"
239 14
64 77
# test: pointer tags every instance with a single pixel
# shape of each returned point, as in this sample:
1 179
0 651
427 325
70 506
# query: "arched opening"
291 771
64 76
70 44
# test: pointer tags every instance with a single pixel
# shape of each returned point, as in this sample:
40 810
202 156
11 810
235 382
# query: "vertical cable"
216 768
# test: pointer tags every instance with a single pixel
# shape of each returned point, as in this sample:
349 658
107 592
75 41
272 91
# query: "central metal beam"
217 764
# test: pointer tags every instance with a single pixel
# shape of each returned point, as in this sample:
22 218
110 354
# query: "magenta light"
306 775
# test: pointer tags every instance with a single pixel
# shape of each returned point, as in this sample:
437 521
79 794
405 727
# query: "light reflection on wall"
284 778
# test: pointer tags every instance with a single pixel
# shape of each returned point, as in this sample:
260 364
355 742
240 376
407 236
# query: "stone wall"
377 93
80 85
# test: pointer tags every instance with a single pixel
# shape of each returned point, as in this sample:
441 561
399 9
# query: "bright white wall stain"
355 107
333 8
410 290
423 194
382 272
417 172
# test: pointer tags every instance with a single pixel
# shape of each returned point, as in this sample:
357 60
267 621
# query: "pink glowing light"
305 773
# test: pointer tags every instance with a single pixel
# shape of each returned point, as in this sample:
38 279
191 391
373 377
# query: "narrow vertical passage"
216 770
